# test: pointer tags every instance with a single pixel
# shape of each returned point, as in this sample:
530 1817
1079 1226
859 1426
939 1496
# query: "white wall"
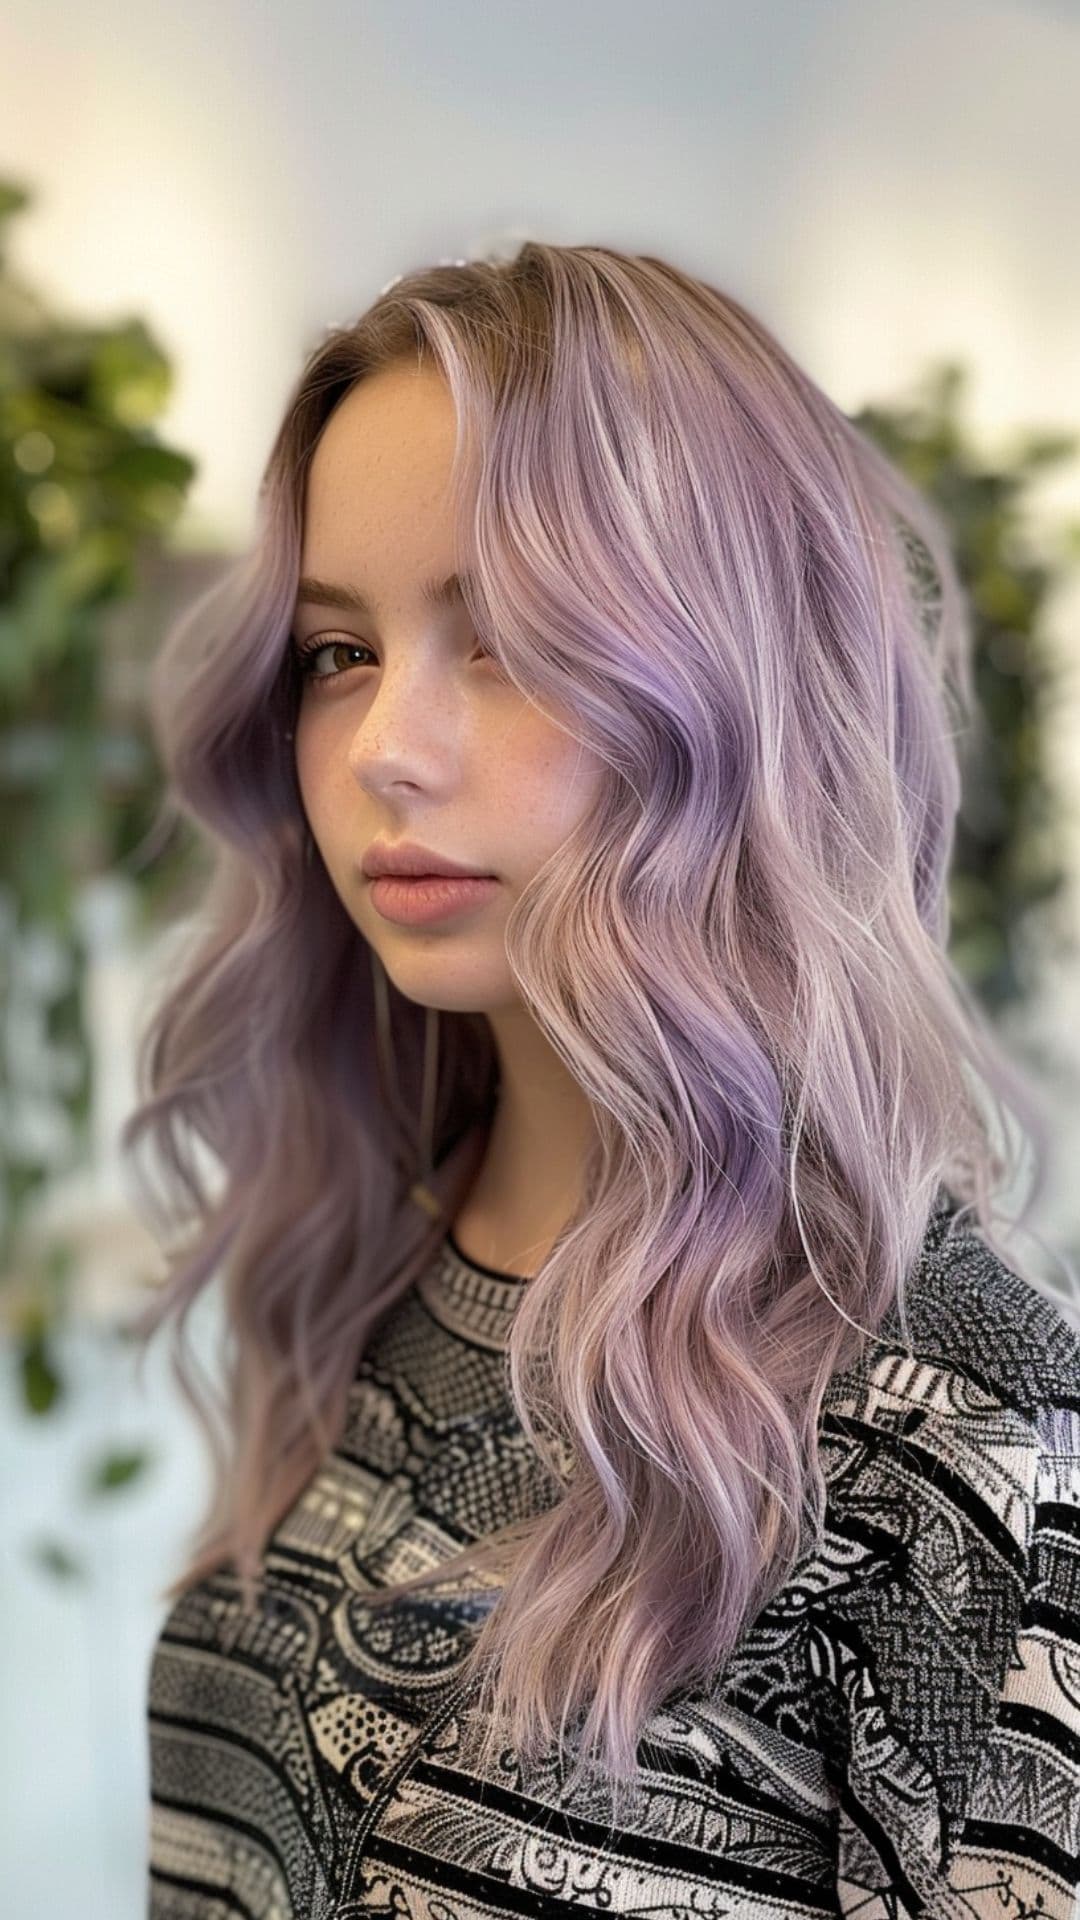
880 182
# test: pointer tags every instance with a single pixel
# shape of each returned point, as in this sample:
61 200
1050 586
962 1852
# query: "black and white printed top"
897 1734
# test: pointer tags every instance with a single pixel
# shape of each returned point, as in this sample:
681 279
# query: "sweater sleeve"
953 1682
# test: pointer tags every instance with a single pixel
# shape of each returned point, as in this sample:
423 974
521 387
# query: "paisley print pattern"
898 1732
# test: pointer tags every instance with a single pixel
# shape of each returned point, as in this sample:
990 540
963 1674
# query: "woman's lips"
413 901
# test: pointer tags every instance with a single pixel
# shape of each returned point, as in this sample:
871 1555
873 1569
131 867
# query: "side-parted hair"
675 538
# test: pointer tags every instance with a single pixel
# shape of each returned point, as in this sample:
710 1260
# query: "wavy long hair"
756 621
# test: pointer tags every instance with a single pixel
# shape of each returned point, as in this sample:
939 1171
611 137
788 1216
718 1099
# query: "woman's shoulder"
968 1411
944 1599
972 1318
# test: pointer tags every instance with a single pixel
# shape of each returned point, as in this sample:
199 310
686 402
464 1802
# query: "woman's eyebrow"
323 593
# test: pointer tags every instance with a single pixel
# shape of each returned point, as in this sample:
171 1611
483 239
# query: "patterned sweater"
898 1732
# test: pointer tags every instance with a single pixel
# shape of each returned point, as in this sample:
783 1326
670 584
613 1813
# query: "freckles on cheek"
314 746
302 763
311 778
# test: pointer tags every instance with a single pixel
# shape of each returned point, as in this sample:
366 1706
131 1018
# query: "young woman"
650 1487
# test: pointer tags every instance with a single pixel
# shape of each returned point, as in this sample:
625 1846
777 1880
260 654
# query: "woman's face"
406 729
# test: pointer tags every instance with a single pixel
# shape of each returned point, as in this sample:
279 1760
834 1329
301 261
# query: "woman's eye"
308 653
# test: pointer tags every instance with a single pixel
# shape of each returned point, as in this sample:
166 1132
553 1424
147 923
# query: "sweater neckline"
479 1303
470 1300
477 1266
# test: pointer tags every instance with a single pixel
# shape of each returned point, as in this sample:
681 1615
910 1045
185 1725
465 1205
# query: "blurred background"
188 197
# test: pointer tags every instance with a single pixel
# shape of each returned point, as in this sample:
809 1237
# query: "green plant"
1007 881
88 493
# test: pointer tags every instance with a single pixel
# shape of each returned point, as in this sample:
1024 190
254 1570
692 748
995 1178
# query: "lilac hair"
749 614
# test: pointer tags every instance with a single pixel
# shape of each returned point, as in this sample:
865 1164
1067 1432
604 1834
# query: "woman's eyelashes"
306 653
